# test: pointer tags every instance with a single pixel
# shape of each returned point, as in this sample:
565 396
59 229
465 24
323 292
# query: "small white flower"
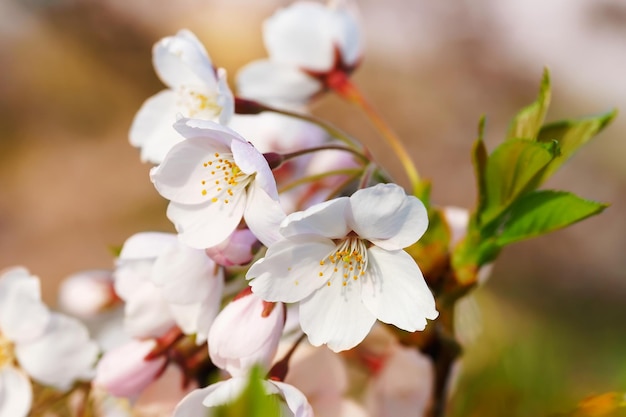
343 261
51 348
214 179
307 43
195 89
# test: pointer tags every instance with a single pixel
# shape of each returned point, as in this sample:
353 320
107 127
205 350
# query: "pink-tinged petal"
276 84
147 313
152 129
125 372
147 245
326 219
317 372
224 392
242 335
394 290
404 385
387 217
238 249
16 394
23 316
204 225
182 60
251 161
296 401
218 135
61 356
88 293
185 275
181 175
457 219
263 215
291 269
348 31
301 35
192 406
336 316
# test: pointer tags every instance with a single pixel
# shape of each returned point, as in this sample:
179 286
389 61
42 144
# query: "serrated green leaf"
571 135
512 169
544 211
527 123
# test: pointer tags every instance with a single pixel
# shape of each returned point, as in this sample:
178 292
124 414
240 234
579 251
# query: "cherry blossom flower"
51 348
214 179
87 293
195 89
342 260
167 283
310 45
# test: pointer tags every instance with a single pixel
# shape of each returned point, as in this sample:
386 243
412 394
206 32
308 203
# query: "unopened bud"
238 249
88 293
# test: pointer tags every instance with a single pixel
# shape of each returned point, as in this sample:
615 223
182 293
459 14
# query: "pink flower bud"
245 333
124 371
236 250
88 293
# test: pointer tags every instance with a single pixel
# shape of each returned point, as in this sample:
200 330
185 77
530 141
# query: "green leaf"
253 402
571 135
527 123
544 211
512 169
479 161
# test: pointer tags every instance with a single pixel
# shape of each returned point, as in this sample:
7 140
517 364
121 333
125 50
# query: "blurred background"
74 72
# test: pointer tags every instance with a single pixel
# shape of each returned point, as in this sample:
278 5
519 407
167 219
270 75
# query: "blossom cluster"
294 255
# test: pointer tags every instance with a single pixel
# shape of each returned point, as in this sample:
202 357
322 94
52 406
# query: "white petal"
204 225
191 405
348 32
302 36
130 277
61 356
394 290
147 313
225 97
335 315
185 275
276 84
212 132
180 175
147 245
326 219
296 401
251 161
387 217
198 318
16 395
224 392
152 129
182 60
290 270
23 316
263 215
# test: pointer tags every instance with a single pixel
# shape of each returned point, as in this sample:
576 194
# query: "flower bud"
88 293
245 333
236 250
125 372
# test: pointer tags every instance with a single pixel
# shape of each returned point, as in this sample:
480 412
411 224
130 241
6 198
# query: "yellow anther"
214 199
203 192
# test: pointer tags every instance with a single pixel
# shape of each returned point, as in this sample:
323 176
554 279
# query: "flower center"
349 260
7 356
223 178
198 105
